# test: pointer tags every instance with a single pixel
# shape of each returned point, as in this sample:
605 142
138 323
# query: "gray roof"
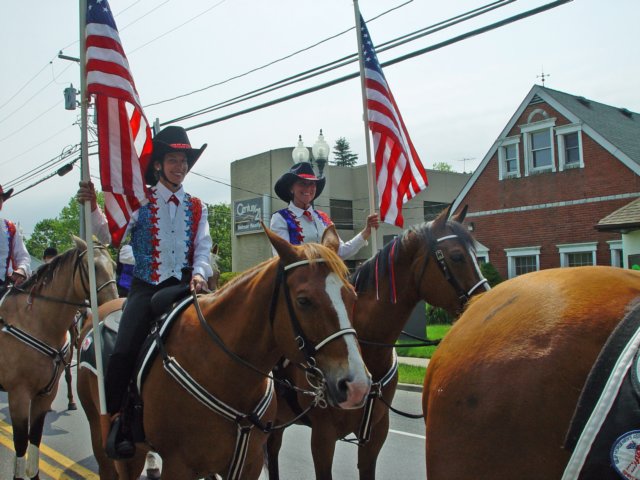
618 125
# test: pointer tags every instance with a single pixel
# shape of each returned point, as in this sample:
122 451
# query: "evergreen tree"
342 155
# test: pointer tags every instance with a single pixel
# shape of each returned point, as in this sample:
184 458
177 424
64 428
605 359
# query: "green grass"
434 332
411 374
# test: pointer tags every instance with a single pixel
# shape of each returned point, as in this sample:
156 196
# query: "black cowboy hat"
300 171
171 139
6 194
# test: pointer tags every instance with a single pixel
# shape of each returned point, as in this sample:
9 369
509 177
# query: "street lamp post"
319 153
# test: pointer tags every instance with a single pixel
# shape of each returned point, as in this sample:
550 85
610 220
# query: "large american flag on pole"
400 175
124 136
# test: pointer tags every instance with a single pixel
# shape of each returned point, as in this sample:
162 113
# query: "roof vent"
536 99
625 112
584 101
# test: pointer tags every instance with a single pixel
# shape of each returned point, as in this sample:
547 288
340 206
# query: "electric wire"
346 60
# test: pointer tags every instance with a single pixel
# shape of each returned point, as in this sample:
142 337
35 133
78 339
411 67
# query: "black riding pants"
135 325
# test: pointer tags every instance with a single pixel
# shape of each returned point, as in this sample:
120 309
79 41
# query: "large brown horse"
501 389
434 262
285 306
33 342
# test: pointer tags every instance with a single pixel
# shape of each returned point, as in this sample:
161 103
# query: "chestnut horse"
292 305
501 389
35 319
434 262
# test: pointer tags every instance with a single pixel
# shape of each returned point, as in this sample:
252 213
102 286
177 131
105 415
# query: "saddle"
604 435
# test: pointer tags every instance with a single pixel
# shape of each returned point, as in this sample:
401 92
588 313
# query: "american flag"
400 175
124 136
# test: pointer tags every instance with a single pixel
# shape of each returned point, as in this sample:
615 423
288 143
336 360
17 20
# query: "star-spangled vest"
162 246
293 225
6 248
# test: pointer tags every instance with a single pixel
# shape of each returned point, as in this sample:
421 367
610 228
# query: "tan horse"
501 389
257 328
33 342
434 262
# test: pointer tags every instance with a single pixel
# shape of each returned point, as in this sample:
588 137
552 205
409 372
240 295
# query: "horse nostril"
343 385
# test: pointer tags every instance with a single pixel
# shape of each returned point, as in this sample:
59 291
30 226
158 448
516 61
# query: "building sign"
247 215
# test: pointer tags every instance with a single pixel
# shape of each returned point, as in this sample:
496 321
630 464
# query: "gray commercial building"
345 199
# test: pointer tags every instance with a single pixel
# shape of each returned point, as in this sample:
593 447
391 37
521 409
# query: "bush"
226 276
490 273
437 316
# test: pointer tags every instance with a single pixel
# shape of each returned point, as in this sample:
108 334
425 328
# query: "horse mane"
411 240
311 251
45 273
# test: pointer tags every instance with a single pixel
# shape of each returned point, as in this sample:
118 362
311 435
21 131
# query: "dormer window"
569 146
538 146
509 158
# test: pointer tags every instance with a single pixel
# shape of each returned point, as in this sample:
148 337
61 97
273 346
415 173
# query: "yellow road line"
6 438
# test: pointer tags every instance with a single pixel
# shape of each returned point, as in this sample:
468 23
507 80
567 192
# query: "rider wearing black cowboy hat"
15 261
300 222
168 233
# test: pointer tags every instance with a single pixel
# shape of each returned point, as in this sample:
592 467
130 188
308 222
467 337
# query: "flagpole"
84 165
365 119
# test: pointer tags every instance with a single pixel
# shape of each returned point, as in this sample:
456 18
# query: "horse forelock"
330 258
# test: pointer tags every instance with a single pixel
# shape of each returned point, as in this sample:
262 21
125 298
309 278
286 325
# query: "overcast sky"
455 100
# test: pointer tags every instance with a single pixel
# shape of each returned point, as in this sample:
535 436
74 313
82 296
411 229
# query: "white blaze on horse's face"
360 383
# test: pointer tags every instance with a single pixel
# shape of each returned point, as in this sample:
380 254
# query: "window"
509 158
569 146
538 146
522 260
342 213
577 254
541 149
433 209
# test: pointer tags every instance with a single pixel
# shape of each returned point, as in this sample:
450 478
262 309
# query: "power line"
402 58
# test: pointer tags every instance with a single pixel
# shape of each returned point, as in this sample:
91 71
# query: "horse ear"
285 250
80 243
460 216
331 239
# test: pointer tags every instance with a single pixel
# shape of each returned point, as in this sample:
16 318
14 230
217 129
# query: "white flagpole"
365 119
84 165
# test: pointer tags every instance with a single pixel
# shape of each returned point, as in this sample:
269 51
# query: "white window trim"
561 131
481 250
512 253
567 248
614 247
526 131
502 171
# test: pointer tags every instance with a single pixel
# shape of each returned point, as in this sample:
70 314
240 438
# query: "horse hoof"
72 406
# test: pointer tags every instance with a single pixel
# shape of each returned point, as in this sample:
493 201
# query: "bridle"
78 268
308 348
463 295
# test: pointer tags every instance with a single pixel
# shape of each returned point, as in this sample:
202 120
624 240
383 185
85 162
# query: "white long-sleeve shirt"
20 258
312 230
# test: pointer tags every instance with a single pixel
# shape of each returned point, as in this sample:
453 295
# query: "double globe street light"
319 152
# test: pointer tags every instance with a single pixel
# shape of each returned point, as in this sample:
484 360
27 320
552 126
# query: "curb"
409 387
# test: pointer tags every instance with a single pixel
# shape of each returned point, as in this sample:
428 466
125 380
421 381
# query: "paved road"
66 450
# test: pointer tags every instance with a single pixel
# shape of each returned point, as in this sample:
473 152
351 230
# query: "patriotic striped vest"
9 233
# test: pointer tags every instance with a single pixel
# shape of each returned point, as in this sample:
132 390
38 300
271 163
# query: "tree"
442 167
342 155
57 231
220 229
490 273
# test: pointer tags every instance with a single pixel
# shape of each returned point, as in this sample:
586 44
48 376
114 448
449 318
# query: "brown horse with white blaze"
35 319
501 389
434 262
297 305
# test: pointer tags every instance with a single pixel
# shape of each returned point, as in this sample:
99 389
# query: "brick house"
561 164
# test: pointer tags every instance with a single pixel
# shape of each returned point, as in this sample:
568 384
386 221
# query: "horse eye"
457 257
303 301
